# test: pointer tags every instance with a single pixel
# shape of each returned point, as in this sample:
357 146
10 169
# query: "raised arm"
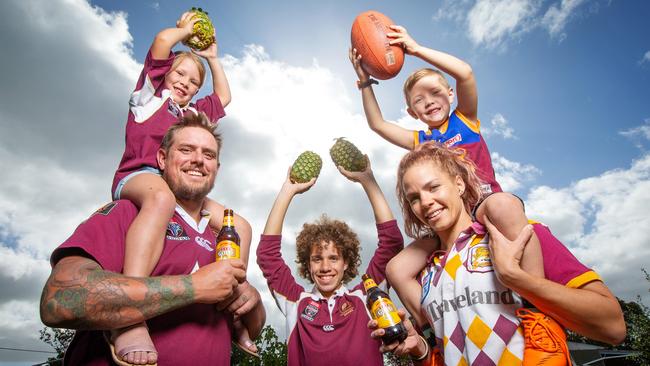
590 310
458 69
289 189
167 38
79 294
220 85
389 131
366 178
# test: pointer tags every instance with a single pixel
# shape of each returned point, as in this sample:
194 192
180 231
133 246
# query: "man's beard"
186 192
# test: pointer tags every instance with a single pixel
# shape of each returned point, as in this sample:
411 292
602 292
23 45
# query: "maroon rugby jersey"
195 334
328 332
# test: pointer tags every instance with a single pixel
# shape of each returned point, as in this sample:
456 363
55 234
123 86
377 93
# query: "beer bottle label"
228 221
385 313
227 249
369 283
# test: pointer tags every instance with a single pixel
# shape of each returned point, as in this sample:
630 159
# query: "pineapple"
306 167
345 154
203 31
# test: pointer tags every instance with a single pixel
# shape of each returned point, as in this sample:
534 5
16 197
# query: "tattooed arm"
79 294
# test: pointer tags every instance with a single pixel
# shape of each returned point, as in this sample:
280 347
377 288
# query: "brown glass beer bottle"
228 239
384 312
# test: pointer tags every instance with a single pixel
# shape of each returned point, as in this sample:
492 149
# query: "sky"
564 92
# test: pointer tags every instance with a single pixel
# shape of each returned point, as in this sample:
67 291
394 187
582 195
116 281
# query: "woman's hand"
413 344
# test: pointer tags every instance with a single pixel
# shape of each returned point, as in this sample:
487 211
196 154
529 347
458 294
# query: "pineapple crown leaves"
199 10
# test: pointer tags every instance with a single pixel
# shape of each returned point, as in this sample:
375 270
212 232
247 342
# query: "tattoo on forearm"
90 297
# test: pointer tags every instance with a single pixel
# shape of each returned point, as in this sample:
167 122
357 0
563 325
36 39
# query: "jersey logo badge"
106 209
173 109
175 231
204 243
478 259
346 308
328 327
310 311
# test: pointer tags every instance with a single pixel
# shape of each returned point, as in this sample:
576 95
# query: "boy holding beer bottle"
328 319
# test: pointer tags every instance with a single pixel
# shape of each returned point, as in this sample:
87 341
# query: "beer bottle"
228 239
384 312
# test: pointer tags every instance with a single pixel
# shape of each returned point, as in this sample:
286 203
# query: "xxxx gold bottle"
228 239
384 312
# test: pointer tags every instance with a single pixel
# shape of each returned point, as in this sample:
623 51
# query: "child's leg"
402 271
506 212
144 244
240 337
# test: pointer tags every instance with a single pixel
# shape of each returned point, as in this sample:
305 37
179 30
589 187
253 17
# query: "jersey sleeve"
278 275
154 71
101 236
560 266
211 106
390 243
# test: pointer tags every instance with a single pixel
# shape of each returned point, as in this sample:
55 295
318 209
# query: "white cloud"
646 58
512 175
493 21
556 17
605 221
640 136
498 127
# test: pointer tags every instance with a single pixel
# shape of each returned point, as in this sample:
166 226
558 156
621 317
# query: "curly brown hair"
450 160
325 230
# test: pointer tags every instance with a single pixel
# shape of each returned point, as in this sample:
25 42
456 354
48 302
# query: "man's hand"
244 299
217 281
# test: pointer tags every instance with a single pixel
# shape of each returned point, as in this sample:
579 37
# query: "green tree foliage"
272 351
637 320
59 339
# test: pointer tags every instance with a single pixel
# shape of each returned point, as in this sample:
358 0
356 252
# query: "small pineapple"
203 31
306 167
345 154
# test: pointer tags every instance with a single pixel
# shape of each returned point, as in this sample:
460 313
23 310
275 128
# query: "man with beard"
86 291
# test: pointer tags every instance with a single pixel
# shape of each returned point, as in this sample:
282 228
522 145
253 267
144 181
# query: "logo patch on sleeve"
310 310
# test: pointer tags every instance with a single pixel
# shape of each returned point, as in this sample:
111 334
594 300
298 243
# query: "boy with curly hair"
329 318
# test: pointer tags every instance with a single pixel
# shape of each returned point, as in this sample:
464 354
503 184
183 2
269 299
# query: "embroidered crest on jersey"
478 259
106 209
175 231
346 308
173 109
310 310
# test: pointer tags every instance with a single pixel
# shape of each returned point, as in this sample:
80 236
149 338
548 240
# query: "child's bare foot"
133 346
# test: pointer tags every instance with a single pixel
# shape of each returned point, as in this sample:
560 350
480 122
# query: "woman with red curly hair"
327 325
